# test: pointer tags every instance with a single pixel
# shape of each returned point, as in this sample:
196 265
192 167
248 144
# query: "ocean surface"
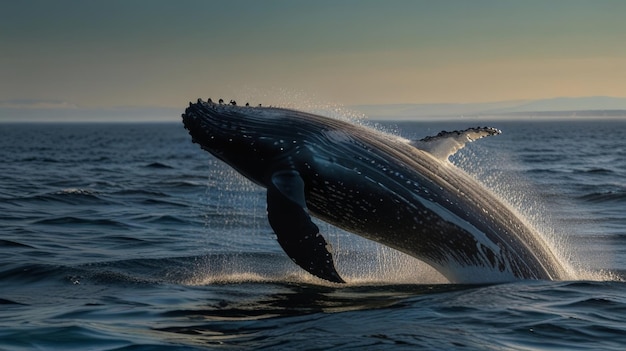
130 237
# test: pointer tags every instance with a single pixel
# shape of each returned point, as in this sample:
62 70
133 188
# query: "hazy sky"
109 53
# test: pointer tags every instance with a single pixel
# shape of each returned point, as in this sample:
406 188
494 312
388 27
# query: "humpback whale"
402 194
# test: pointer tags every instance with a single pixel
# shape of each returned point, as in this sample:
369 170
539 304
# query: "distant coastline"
585 107
573 113
601 107
521 115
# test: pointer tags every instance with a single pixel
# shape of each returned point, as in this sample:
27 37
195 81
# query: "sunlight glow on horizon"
163 54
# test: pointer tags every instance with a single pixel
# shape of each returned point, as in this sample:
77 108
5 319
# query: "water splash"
499 174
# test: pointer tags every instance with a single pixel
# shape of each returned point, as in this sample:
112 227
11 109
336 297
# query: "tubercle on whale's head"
214 125
241 136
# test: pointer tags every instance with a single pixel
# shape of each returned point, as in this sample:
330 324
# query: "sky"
121 55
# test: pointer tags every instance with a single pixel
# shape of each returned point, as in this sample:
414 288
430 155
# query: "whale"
404 194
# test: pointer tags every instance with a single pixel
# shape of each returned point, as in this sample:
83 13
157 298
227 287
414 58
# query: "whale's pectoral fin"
297 234
445 144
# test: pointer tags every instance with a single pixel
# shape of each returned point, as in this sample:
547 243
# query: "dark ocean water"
129 237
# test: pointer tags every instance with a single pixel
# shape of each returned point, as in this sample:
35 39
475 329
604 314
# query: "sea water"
130 237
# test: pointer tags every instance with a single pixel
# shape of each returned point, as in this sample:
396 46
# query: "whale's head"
253 140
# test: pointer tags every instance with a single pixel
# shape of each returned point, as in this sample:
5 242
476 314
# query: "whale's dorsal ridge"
445 144
299 237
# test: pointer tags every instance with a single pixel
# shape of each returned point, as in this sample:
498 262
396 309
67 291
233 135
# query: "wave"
595 171
10 302
39 159
602 197
70 220
70 196
163 202
158 165
77 196
160 219
68 336
143 192
185 183
28 273
10 243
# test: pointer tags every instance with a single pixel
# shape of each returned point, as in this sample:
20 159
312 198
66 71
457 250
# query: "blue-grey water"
130 237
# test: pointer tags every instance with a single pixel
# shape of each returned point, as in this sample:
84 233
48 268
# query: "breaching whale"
402 194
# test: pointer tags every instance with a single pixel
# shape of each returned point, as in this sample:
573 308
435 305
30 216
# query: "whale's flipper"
297 234
445 144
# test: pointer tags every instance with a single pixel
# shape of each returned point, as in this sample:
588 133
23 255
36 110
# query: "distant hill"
573 114
557 107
